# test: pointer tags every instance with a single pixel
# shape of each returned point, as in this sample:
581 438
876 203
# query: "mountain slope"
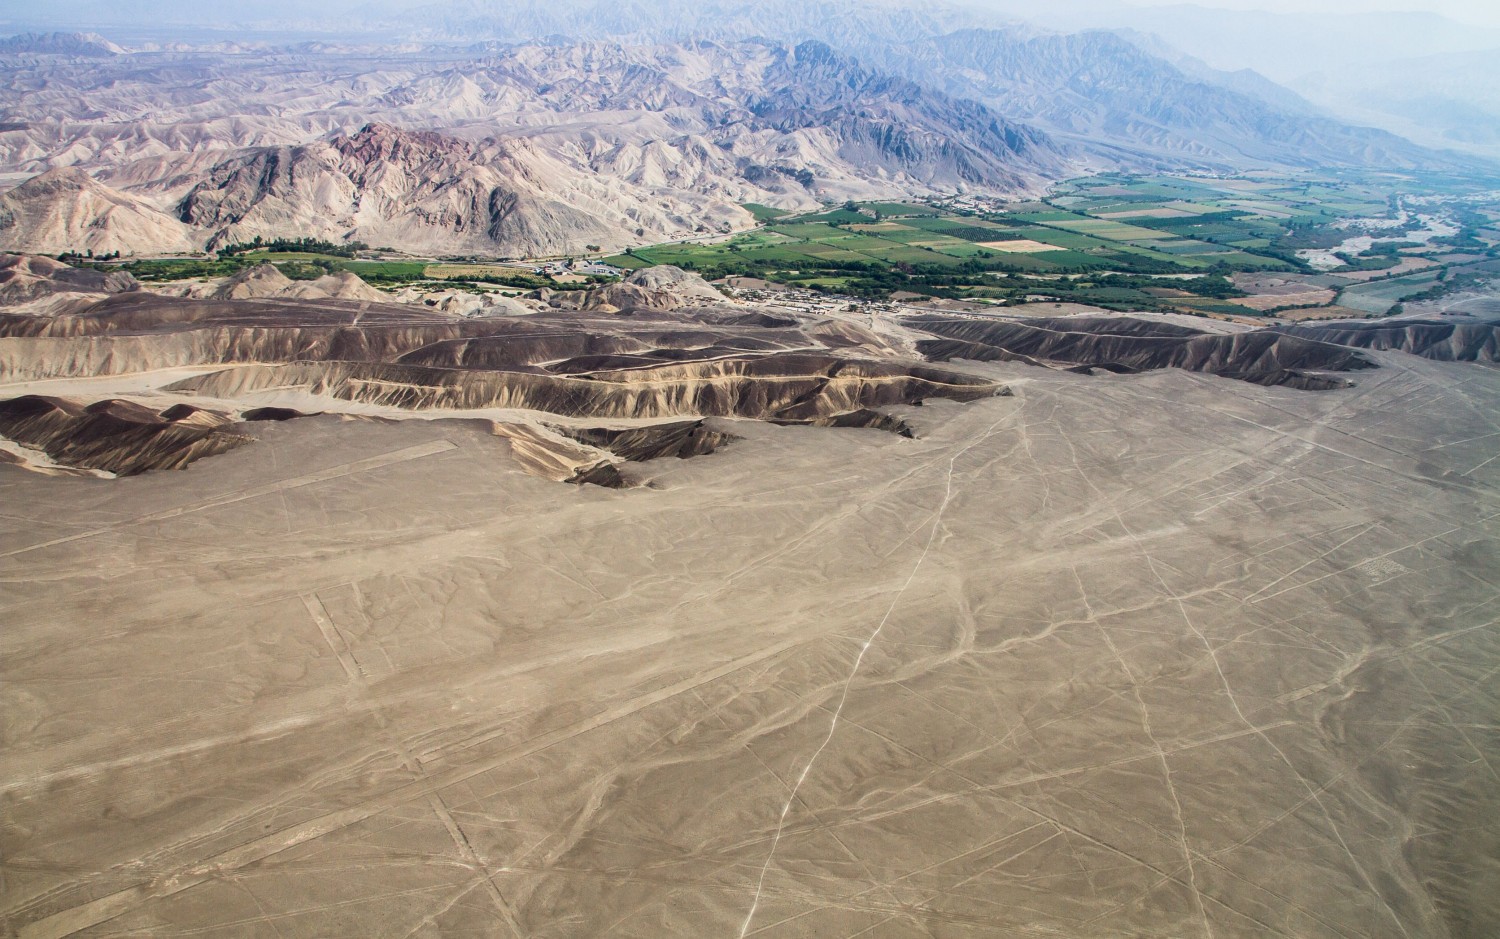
420 190
1103 92
551 146
67 210
602 145
90 45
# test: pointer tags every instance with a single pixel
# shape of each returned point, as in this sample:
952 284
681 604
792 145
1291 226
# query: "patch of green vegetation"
1108 229
380 272
976 233
763 213
815 231
629 262
961 249
1161 257
300 265
908 236
1188 248
308 270
1245 261
1448 282
1045 217
844 216
524 280
900 209
1245 223
907 254
1379 296
297 245
1071 241
947 224
184 269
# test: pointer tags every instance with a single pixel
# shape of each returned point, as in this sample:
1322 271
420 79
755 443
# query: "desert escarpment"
1123 344
676 353
115 436
1458 339
680 439
595 455
631 677
781 386
658 352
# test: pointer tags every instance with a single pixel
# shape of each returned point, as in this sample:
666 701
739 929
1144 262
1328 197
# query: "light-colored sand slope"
68 210
1157 655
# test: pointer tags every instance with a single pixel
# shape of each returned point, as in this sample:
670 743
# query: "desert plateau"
748 469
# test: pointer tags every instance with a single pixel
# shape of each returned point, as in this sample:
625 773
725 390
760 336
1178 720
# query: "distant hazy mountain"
841 23
1108 95
1129 95
1441 101
510 150
1286 46
88 45
1318 53
529 137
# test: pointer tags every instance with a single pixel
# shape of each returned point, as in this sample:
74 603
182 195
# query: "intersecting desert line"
1159 654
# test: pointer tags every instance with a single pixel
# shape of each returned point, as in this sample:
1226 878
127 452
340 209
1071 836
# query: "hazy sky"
1482 12
1063 12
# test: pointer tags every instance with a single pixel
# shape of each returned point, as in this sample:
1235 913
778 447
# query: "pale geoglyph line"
1312 793
336 643
75 919
333 472
937 520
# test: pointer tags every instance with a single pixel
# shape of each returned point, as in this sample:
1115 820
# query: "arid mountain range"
548 147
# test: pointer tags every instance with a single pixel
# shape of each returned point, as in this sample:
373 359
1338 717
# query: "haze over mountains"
513 150
547 139
1412 57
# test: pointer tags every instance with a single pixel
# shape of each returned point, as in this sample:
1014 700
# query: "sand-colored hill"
345 285
30 277
68 210
663 287
265 280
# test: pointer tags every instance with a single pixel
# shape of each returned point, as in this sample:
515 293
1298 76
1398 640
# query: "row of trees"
297 245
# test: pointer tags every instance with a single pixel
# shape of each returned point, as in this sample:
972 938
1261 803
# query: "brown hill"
68 210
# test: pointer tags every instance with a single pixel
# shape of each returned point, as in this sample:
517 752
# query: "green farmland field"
1213 226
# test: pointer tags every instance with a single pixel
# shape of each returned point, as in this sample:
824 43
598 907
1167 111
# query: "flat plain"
1162 654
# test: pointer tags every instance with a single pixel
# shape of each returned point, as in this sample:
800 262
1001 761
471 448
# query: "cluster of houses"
583 267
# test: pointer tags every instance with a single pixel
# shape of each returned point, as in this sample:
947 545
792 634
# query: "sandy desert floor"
1157 655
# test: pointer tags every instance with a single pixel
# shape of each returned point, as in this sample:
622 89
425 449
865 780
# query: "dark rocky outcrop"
863 418
116 436
681 439
272 414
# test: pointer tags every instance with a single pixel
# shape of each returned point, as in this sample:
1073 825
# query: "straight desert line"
296 482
